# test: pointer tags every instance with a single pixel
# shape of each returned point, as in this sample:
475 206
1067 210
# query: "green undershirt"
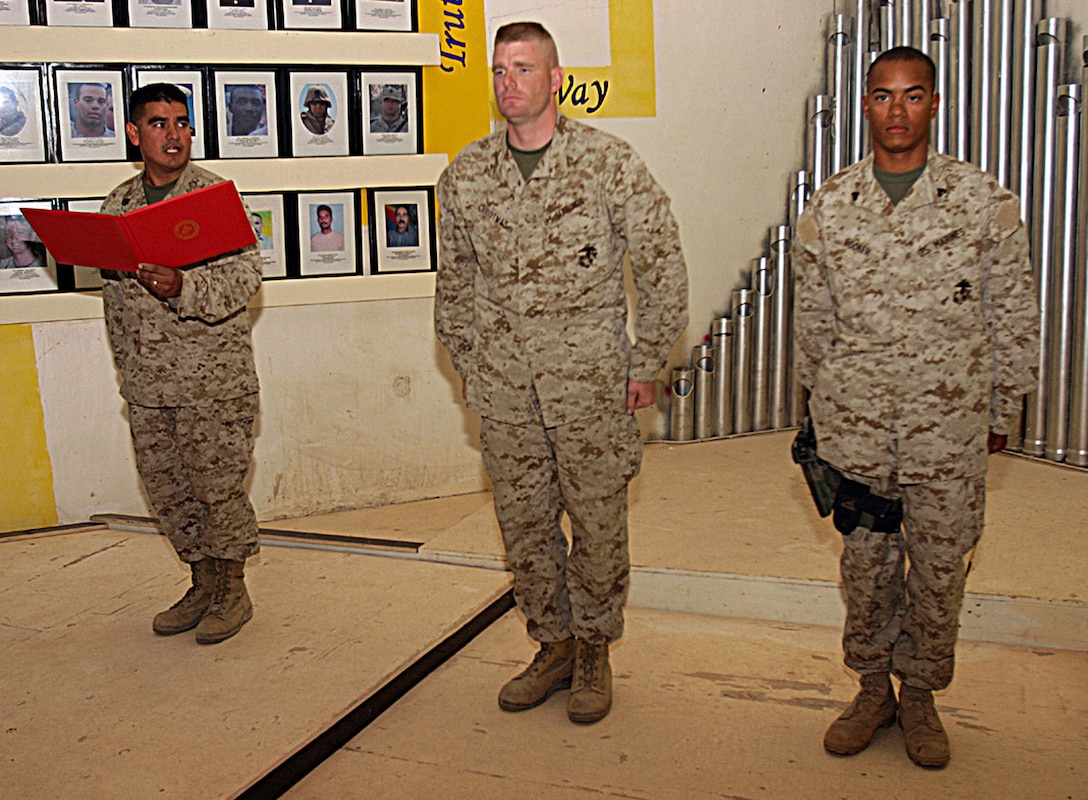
154 194
897 184
527 159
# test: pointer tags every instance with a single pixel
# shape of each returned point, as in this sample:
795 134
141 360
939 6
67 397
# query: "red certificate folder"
183 230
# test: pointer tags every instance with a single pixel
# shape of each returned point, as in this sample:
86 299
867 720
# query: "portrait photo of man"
257 219
12 117
326 239
389 110
317 103
402 226
24 250
90 104
246 109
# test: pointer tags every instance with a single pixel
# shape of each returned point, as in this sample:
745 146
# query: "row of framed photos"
68 112
300 234
337 15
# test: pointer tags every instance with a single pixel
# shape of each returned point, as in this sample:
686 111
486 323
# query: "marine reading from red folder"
183 230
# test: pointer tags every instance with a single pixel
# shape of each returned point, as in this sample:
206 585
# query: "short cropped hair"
154 93
905 54
529 32
323 207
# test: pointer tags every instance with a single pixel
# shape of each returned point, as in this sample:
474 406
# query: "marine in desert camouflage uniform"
530 302
181 340
917 334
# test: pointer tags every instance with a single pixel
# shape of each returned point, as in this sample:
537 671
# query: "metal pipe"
904 23
838 80
940 47
1050 52
923 21
982 99
763 287
859 63
819 130
682 407
721 336
1004 74
782 328
742 360
1078 403
1060 346
1021 178
888 19
702 365
960 102
800 193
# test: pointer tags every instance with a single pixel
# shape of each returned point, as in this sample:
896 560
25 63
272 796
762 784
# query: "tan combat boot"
230 608
927 743
549 672
872 708
187 612
591 690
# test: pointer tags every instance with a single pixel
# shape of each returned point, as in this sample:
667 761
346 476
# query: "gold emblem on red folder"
187 229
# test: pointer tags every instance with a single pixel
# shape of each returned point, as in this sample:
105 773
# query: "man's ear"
133 134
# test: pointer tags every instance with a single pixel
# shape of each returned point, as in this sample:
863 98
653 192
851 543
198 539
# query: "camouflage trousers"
193 462
538 474
905 619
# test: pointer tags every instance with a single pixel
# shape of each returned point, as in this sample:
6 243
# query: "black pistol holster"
822 478
857 507
854 505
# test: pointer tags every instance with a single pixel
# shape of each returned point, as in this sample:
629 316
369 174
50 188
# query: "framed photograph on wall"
85 278
191 81
402 229
25 266
310 14
93 13
18 12
328 233
90 115
386 15
23 129
266 212
392 118
239 14
160 13
320 113
246 119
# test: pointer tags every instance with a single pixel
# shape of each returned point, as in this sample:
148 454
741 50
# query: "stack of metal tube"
1012 89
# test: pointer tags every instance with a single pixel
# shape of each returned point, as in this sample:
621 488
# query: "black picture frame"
89 96
193 81
345 252
390 255
16 277
236 90
391 106
26 134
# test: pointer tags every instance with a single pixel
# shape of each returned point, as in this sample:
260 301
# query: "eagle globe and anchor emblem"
187 229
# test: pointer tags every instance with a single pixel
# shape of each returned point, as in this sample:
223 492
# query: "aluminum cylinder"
682 407
1078 403
1062 309
743 310
819 139
839 36
982 89
859 64
904 23
959 104
1022 155
800 192
1004 34
763 287
702 365
782 328
888 19
923 21
1052 34
721 336
939 51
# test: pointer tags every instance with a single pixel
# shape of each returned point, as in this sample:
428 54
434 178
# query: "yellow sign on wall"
458 102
